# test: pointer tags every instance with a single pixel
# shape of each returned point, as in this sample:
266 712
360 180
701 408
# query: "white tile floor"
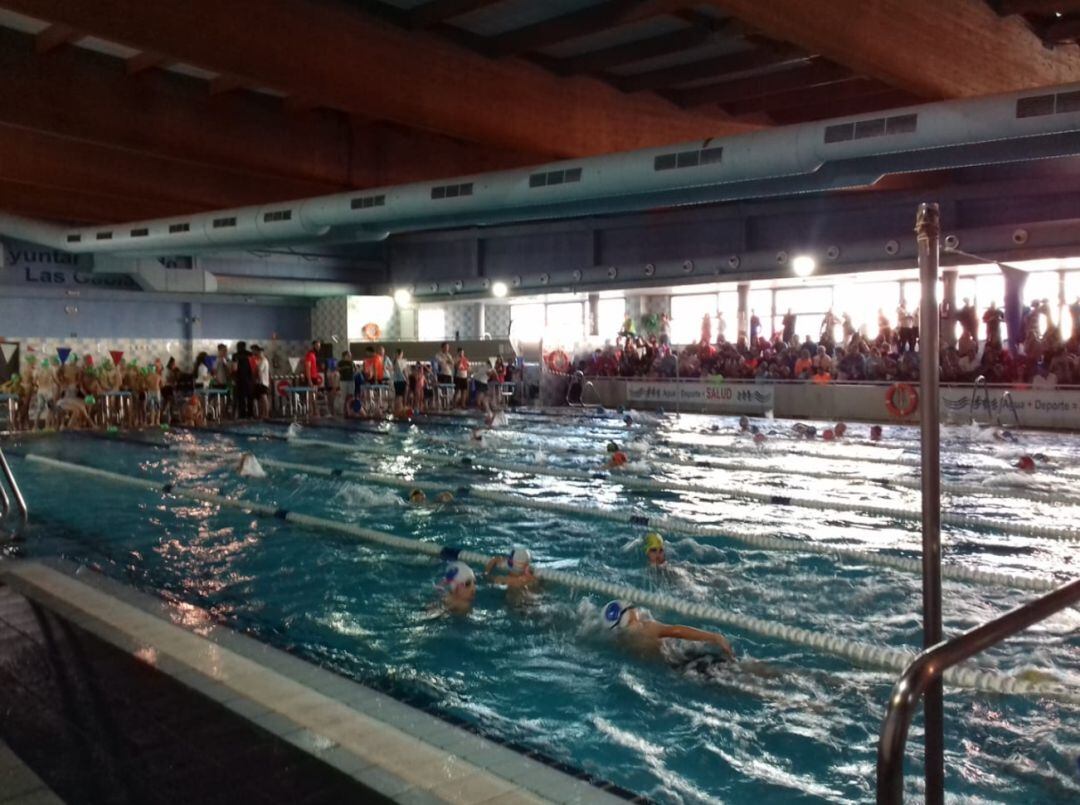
373 738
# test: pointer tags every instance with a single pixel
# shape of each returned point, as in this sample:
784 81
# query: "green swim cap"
612 447
112 429
30 359
653 541
89 399
164 425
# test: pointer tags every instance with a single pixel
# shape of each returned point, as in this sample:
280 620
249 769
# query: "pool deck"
111 695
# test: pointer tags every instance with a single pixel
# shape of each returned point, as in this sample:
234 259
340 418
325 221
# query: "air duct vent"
688 159
277 215
140 233
865 129
224 223
74 238
104 235
452 190
175 229
1040 105
555 177
364 202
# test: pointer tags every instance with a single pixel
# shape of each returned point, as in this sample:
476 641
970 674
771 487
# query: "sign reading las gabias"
28 264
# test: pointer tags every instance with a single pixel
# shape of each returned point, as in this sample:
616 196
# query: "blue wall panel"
250 321
64 317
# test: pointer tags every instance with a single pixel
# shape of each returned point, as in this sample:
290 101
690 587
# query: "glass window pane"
804 300
565 325
431 323
761 302
609 317
728 307
686 315
527 322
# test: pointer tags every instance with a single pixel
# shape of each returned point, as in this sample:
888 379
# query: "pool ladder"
927 668
13 486
980 387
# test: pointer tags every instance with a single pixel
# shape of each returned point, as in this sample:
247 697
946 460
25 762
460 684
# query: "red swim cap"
619 458
1025 464
828 435
759 438
840 429
875 433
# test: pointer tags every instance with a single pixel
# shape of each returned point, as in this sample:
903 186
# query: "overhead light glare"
402 296
499 289
803 265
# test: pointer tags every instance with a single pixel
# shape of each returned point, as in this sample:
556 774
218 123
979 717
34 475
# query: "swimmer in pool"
460 584
637 626
875 433
417 497
806 431
618 459
840 430
1025 464
518 563
1005 436
654 549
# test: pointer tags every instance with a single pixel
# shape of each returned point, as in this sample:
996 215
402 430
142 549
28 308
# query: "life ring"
283 388
558 361
909 398
371 331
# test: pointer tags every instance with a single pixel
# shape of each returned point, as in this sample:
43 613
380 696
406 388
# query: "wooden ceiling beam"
347 61
888 99
71 205
55 36
434 12
810 73
1061 31
931 49
617 55
823 95
147 60
716 68
1044 7
589 20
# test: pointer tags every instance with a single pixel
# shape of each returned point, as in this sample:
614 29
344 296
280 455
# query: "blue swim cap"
628 419
660 410
614 612
621 409
600 409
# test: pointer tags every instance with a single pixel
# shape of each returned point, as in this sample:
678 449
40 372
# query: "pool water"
783 724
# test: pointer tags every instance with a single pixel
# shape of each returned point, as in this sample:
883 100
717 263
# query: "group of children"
55 394
632 625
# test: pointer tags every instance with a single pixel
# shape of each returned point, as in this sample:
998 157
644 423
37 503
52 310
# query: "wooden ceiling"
123 109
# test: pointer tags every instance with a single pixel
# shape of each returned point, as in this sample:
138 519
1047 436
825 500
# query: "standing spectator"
311 363
992 318
461 379
444 365
789 327
244 380
221 367
755 328
261 370
969 319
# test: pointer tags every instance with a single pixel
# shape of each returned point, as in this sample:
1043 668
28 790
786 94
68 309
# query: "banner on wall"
1033 407
706 395
10 363
36 266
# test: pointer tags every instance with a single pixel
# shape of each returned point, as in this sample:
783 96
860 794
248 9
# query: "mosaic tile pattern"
330 317
461 322
497 320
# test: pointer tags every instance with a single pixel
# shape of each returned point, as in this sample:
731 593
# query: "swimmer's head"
459 579
629 420
616 614
478 435
828 435
417 496
654 548
618 458
875 433
840 429
612 447
811 432
444 497
1025 464
744 423
518 560
759 438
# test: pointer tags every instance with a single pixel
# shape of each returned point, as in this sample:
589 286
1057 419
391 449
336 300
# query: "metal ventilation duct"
808 157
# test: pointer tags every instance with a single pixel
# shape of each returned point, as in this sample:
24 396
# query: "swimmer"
654 549
840 430
618 459
478 437
250 467
1003 435
444 497
460 583
875 433
828 434
806 431
519 564
612 447
744 423
759 438
1025 464
629 420
417 497
637 626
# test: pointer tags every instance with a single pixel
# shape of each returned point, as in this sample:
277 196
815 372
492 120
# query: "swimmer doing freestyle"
638 628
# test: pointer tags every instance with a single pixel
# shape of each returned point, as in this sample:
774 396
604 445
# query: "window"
609 317
687 313
565 324
862 301
728 306
431 323
1044 285
527 322
760 301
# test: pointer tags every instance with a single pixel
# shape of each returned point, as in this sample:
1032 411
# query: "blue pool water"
784 724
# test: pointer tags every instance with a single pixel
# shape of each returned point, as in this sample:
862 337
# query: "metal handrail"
1006 398
927 669
980 384
577 379
20 501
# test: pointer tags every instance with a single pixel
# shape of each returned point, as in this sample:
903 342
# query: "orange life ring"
372 331
558 361
910 395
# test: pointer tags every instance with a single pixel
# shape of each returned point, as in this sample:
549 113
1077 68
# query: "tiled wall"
145 350
330 318
497 320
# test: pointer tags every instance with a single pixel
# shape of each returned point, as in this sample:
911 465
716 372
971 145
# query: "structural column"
592 315
743 323
948 305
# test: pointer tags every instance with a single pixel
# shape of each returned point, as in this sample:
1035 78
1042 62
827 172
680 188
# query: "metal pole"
928 229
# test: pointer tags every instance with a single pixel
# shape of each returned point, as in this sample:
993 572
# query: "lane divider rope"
629 482
890 659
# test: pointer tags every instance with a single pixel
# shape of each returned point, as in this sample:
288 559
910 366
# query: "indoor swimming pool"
784 723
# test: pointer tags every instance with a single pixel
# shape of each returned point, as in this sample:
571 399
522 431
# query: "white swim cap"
615 612
518 559
457 575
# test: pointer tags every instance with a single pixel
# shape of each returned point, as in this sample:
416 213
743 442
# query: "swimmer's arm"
494 562
699 635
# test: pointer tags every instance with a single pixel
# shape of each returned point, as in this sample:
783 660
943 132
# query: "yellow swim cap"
653 540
